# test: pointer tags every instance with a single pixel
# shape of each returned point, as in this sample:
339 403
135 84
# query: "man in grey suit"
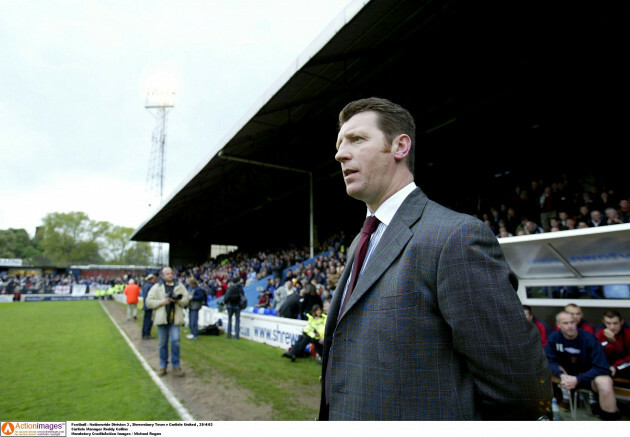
433 328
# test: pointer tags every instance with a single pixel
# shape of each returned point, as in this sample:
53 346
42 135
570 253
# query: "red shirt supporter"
263 301
585 326
543 331
221 286
615 339
542 327
578 315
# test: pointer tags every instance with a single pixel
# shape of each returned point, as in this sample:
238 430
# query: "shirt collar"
385 213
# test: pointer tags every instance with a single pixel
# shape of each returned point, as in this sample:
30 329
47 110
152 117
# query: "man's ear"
401 146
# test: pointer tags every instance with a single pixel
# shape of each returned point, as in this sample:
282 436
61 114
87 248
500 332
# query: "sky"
74 131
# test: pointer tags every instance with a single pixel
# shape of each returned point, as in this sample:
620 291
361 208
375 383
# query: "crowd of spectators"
534 207
33 283
557 205
291 285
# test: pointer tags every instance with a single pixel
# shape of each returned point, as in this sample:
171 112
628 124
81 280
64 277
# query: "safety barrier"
271 330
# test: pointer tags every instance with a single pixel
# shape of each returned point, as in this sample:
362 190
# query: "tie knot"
370 225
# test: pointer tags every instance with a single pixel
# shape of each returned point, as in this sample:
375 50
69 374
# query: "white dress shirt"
385 213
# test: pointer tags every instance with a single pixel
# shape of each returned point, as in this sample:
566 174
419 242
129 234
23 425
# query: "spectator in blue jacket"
198 298
147 321
577 359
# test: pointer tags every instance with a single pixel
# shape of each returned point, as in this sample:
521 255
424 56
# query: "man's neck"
399 182
386 210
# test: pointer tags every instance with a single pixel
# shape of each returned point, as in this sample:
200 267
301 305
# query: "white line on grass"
181 410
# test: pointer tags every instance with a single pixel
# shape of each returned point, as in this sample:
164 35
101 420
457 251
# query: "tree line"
68 238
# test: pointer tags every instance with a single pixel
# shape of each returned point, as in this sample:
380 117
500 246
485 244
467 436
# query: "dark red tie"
369 227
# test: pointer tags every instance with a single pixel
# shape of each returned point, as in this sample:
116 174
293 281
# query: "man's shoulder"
587 323
156 287
440 222
555 337
434 212
541 324
587 339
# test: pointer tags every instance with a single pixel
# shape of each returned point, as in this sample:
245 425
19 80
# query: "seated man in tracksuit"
615 339
577 359
540 325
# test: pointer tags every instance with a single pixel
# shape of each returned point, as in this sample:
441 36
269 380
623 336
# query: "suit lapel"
391 244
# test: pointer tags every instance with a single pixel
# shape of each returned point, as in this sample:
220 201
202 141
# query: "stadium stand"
506 210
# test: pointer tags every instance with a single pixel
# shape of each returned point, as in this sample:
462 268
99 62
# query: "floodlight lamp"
160 98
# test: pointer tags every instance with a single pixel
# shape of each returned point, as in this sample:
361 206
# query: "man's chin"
355 194
353 191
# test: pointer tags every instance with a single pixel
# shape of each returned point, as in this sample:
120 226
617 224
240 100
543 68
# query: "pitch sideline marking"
170 397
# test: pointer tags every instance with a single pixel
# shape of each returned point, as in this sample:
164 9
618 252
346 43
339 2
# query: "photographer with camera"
168 298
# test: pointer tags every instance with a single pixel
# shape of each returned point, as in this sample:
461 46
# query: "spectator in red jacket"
264 301
542 327
615 339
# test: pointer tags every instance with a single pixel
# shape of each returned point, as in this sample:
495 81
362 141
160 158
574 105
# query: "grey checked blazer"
434 329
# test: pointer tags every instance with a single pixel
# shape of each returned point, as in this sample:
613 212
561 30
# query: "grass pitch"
67 361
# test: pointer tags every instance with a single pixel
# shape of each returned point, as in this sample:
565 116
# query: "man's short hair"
393 120
611 314
563 312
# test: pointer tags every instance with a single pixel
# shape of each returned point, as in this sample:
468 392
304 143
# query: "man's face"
367 163
568 326
613 324
576 313
528 315
167 275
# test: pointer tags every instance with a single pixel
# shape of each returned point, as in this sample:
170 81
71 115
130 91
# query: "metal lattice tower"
159 103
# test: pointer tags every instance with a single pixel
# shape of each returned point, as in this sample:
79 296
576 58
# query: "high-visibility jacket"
316 326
